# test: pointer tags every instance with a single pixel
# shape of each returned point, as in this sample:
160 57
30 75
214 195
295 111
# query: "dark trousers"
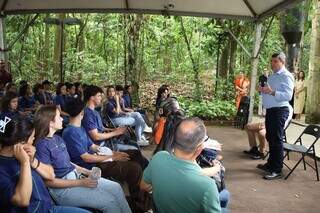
128 171
275 121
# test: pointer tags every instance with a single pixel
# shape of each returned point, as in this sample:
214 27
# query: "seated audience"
48 96
127 96
60 98
168 174
259 129
71 91
38 94
26 101
79 90
120 166
69 188
21 184
9 106
253 130
92 121
11 87
121 118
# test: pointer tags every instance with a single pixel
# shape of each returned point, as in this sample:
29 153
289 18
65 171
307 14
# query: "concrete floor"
252 194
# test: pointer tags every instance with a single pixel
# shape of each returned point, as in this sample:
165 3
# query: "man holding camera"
276 94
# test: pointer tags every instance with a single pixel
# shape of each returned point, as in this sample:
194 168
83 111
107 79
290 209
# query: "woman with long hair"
72 185
21 184
299 94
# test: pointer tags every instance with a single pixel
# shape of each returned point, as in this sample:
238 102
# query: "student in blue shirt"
121 166
60 98
69 188
276 95
71 91
38 94
46 86
21 186
93 125
9 106
119 117
26 101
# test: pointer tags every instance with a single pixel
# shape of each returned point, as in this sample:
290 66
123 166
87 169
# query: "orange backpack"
159 130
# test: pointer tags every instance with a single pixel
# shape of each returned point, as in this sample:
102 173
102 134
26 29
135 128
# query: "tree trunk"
224 61
195 65
313 90
134 25
57 49
46 48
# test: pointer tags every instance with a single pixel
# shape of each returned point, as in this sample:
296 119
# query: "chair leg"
293 168
304 162
316 164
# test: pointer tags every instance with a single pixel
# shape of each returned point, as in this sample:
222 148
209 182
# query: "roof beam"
278 7
254 14
139 11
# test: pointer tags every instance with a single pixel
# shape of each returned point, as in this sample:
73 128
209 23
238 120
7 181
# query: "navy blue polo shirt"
40 200
53 151
26 102
92 120
60 100
78 143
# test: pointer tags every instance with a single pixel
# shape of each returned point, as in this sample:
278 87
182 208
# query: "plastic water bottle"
95 173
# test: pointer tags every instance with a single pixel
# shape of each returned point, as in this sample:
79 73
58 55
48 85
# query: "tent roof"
238 9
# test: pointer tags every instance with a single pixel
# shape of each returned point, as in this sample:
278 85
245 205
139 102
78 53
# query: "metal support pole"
61 51
254 62
3 47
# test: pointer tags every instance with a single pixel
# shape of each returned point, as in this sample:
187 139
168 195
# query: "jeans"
224 197
132 119
67 209
107 197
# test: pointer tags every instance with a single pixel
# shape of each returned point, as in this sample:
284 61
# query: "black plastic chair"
299 147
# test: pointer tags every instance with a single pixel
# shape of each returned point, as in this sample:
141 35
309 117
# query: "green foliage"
209 110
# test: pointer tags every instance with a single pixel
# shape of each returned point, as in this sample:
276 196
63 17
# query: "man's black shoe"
258 156
273 176
265 167
252 151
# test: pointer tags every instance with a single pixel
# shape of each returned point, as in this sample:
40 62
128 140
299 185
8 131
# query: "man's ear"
199 149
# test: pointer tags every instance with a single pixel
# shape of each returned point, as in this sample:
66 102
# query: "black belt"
276 108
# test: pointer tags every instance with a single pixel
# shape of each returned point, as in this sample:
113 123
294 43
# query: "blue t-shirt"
78 143
60 100
53 151
26 102
92 120
9 114
127 101
110 107
40 200
40 98
48 96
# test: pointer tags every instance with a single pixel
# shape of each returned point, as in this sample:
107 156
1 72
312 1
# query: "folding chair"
299 147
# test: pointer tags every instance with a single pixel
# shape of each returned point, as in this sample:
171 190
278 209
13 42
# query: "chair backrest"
313 130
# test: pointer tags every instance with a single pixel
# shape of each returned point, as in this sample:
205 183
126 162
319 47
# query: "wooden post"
254 66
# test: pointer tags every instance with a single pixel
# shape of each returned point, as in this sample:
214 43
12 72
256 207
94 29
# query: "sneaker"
252 151
273 176
265 167
143 142
144 137
147 129
258 156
